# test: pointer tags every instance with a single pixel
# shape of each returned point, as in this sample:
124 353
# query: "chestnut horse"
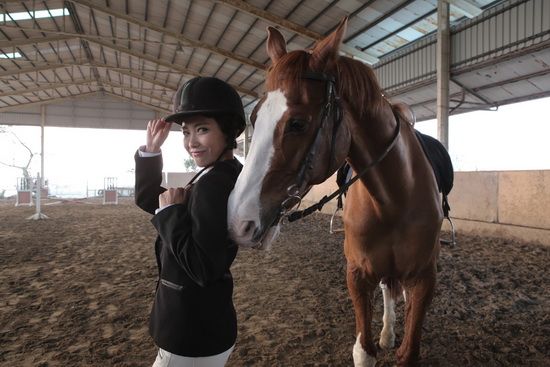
319 110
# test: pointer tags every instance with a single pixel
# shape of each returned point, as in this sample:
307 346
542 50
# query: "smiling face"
204 140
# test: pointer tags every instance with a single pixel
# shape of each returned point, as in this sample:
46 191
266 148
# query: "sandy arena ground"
75 290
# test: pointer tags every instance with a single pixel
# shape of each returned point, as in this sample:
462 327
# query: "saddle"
439 159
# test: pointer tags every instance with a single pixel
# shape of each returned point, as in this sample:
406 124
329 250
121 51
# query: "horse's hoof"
386 343
407 359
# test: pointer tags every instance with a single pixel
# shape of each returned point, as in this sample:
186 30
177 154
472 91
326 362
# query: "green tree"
189 164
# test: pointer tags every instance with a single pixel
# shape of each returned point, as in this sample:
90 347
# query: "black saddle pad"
439 159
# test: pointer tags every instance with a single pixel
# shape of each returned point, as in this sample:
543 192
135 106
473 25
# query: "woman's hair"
228 125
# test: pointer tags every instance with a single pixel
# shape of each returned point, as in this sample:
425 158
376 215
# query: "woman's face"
203 139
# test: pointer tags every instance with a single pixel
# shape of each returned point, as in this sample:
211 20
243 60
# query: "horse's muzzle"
249 233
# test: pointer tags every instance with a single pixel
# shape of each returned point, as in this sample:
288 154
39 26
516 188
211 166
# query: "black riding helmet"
210 97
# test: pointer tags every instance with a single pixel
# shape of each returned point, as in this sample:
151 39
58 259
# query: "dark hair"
229 125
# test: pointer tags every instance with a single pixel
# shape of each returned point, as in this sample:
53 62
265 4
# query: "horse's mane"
356 82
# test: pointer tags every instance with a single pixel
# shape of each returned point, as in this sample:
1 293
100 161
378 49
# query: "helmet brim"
178 117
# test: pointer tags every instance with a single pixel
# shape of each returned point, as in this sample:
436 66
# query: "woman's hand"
157 132
175 196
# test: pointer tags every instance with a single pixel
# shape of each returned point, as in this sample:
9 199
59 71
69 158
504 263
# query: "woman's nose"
193 141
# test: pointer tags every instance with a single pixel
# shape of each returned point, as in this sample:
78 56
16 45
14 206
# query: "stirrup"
452 241
331 230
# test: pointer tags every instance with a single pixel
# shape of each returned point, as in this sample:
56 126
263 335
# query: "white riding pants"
167 359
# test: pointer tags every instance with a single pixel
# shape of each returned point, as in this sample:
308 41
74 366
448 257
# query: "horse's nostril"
245 228
248 227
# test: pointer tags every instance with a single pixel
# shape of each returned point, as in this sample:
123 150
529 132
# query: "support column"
42 123
38 214
443 71
40 176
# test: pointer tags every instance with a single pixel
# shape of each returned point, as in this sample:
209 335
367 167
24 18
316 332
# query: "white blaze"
244 201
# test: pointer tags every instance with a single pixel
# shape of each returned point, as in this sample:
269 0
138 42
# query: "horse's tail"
393 286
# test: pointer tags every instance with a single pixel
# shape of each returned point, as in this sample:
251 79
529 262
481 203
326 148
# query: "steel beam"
19 92
31 41
186 41
22 106
443 71
147 105
137 91
31 69
164 63
296 28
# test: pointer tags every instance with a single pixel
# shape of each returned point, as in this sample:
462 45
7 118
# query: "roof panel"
214 38
541 82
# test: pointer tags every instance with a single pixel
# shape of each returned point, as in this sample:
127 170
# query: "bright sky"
78 158
516 137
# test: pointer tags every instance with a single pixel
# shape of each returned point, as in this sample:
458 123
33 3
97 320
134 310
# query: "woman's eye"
296 126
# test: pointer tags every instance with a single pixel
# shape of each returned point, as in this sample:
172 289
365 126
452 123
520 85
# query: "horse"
320 110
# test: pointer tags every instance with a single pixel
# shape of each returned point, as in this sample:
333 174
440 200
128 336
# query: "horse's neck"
370 138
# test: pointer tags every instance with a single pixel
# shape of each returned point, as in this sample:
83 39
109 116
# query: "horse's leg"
361 290
420 292
387 336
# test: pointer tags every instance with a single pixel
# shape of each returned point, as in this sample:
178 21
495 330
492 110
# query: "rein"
293 191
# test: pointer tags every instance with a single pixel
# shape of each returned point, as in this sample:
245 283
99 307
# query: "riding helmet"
209 96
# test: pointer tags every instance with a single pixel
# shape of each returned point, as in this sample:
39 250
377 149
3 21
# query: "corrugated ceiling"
141 50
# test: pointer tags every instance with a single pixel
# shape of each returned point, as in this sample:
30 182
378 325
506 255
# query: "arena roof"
141 50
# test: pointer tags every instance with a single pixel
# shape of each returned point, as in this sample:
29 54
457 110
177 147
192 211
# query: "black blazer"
193 313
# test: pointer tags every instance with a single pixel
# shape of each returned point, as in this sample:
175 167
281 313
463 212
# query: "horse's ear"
325 51
276 44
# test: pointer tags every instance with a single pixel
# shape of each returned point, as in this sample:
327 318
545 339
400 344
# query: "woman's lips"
197 154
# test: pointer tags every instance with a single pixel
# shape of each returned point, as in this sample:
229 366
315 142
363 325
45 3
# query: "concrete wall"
510 204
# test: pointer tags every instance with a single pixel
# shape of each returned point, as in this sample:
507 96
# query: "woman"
193 320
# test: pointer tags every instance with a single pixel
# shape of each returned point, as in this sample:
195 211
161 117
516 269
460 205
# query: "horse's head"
300 137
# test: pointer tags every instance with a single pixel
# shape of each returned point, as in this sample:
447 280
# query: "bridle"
332 109
330 112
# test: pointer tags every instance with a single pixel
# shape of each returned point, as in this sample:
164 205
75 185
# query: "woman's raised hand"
157 132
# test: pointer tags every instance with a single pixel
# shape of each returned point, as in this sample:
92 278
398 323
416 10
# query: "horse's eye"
295 125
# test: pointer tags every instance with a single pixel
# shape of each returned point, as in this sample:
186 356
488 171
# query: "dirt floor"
75 290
